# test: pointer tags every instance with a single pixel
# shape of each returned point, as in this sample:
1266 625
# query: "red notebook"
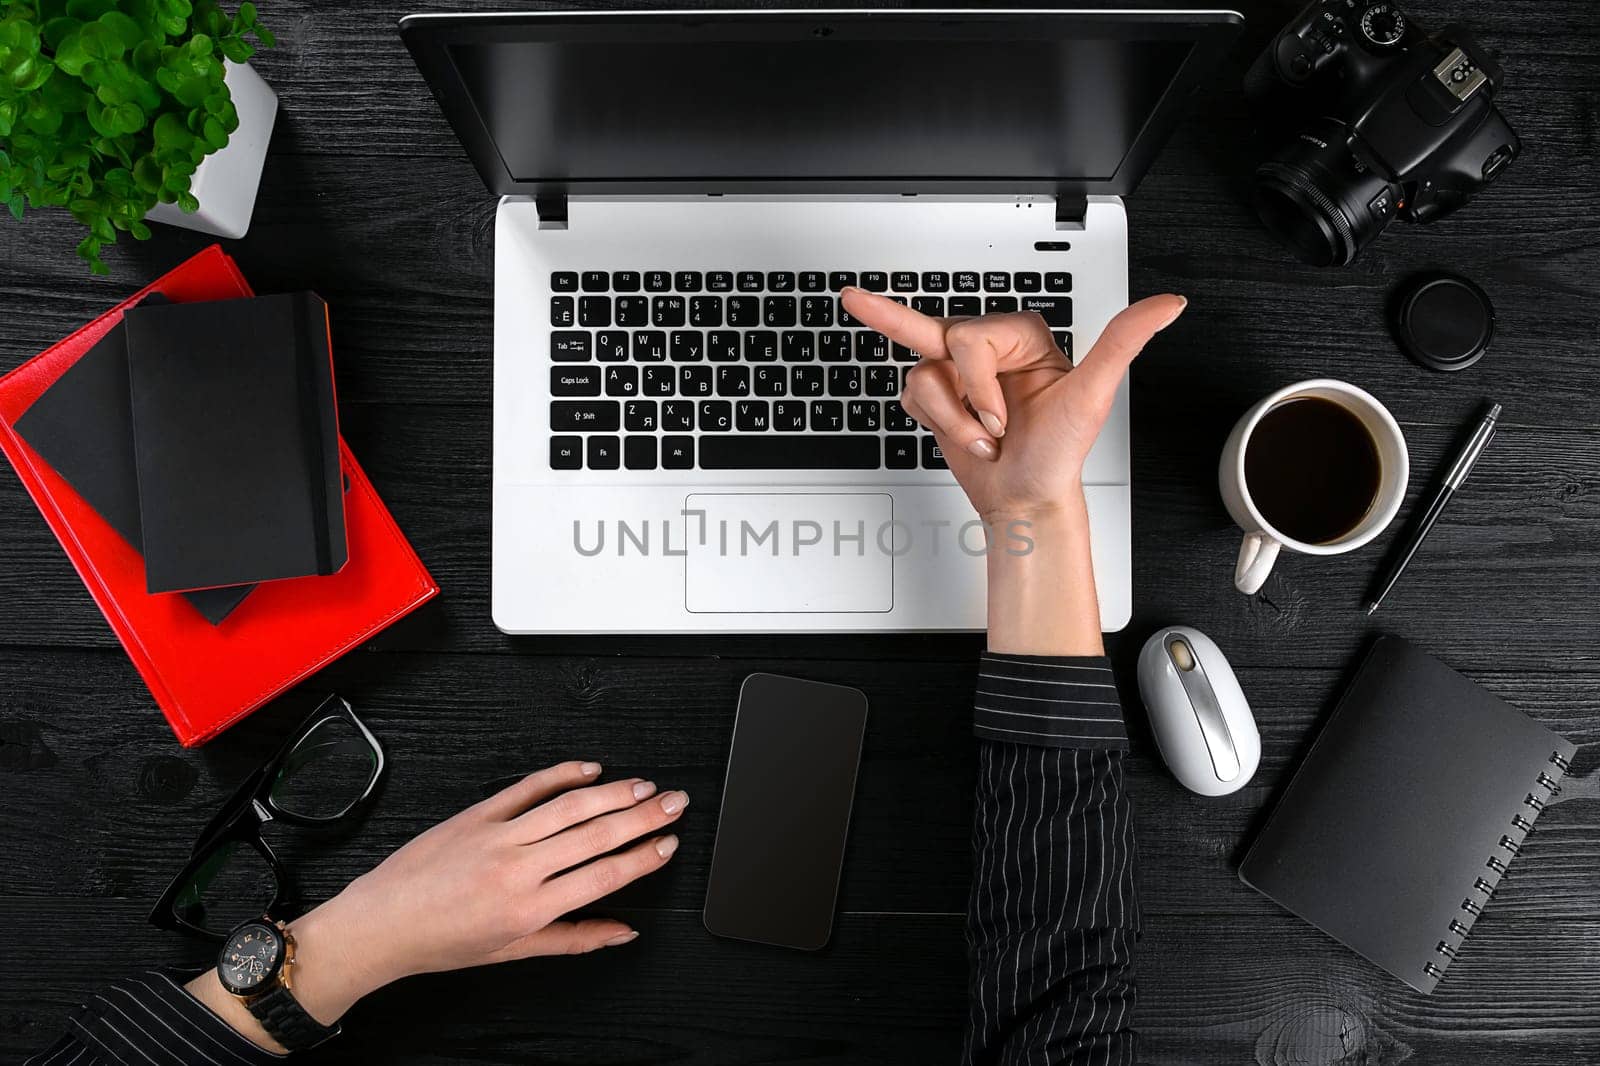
207 677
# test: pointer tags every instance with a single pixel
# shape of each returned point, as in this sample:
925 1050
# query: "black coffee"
1312 469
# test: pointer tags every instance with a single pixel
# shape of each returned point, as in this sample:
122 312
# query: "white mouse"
1198 713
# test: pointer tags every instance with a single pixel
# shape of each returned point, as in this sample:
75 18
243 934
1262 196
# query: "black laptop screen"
817 109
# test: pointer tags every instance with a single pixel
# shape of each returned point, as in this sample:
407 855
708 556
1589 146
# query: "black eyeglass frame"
251 808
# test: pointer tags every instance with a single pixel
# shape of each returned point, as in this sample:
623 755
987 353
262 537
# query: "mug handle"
1256 556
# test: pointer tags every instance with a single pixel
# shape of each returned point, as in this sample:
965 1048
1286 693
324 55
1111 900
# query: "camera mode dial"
1383 25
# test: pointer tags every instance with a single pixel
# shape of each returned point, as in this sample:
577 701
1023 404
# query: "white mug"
1262 542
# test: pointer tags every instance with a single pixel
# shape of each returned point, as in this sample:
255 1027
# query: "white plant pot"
227 180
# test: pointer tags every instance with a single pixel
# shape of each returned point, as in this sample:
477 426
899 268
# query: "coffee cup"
1319 467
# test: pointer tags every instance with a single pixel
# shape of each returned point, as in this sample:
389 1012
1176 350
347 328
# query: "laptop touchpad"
792 552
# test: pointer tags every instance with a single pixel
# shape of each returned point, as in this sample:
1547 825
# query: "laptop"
690 435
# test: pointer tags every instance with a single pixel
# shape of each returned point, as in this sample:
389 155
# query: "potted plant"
123 111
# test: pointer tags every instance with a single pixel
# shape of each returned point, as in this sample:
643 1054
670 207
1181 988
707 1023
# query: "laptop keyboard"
747 370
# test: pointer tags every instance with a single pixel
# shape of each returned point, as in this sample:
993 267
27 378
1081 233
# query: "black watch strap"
281 1015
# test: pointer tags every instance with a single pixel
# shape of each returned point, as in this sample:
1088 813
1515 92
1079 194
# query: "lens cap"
1443 321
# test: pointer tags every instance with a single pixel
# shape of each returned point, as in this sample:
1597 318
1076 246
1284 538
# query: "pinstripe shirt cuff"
1048 701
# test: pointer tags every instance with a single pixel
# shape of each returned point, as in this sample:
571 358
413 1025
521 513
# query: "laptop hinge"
1071 211
552 208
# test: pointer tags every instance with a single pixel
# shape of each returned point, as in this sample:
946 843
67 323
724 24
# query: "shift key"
1057 310
596 416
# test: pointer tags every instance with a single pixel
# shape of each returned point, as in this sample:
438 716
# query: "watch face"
250 958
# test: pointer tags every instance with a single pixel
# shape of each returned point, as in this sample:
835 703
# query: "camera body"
1379 119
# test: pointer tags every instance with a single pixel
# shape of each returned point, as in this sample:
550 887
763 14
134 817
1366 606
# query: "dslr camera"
1376 118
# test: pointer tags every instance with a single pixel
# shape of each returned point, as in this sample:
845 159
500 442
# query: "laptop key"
871 347
566 453
564 281
895 419
1026 281
932 456
1057 281
751 281
716 416
997 281
668 311
705 311
778 311
928 305
751 416
780 281
827 415
844 380
573 347
649 346
806 381
883 381
657 281
902 354
799 346
769 381
575 380
595 416
687 346
813 281
719 281
816 311
594 311
733 380
874 280
639 416
604 453
789 416
760 346
840 279
998 305
935 281
900 452
695 381
845 317
622 381
639 453
633 310
611 346
596 281
903 281
563 311
863 416
659 381
625 281
835 347
677 453
688 280
1063 341
844 451
1057 310
965 281
744 311
964 307
677 415
723 347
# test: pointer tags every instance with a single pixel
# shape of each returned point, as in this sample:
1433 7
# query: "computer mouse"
1198 713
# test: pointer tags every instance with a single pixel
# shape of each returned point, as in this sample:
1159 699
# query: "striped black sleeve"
1053 913
150 1020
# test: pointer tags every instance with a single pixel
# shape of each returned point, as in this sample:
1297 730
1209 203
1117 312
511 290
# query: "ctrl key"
566 453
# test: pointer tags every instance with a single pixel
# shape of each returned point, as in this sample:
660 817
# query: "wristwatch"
256 967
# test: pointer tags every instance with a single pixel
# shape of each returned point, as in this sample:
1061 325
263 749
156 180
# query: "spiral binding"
1510 844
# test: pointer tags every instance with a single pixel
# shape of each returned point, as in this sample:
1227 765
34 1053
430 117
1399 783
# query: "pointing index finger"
921 333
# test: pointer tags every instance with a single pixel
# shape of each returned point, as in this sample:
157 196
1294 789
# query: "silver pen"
1452 481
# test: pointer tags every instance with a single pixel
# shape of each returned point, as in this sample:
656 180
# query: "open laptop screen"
915 99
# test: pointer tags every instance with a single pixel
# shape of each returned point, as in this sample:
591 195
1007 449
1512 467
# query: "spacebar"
748 451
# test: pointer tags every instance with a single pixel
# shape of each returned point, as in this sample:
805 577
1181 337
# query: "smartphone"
785 811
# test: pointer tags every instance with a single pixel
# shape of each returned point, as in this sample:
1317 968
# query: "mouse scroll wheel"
1182 657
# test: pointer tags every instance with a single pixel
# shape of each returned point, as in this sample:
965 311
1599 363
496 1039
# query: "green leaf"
169 132
266 37
247 13
237 50
57 30
129 32
187 203
70 54
128 117
15 207
89 10
140 231
214 134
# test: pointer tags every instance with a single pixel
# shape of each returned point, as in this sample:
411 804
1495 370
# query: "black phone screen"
785 811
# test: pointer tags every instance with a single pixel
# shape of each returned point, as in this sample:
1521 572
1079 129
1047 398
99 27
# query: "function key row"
814 312
690 281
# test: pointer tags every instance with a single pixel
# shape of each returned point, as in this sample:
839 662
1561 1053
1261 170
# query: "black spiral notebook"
1405 814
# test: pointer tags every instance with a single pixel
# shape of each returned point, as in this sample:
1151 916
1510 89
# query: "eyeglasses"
323 773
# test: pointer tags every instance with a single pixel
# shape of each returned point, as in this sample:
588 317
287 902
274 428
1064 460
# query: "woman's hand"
1014 418
488 885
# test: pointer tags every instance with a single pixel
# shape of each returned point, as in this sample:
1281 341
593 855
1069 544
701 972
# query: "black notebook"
236 441
1402 819
83 427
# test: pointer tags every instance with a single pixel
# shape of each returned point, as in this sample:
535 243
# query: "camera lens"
1317 198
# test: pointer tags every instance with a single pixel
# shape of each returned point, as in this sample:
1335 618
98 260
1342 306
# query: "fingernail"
666 846
1183 302
983 449
673 802
850 288
589 769
643 789
992 423
623 938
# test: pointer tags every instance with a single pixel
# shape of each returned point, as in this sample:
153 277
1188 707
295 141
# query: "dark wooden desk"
368 199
